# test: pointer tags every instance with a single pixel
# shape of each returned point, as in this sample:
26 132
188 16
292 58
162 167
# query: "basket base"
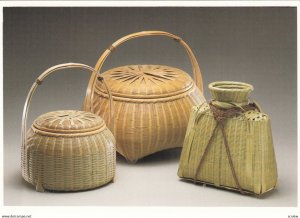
39 187
246 192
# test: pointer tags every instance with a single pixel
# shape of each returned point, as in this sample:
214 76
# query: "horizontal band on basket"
67 134
168 97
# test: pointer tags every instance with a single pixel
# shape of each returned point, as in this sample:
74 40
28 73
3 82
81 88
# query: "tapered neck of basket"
230 92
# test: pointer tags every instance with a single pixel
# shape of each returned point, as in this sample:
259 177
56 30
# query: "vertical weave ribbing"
143 128
71 163
250 139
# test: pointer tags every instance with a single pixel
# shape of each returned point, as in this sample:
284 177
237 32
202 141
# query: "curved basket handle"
39 81
196 69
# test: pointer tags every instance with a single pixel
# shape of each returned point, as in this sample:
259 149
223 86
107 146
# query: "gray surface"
254 45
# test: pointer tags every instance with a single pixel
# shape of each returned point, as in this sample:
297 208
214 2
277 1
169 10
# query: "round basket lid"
146 81
69 121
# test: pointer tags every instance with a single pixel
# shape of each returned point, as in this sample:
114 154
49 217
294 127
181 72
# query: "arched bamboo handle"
196 69
39 81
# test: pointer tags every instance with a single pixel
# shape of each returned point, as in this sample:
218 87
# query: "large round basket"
152 102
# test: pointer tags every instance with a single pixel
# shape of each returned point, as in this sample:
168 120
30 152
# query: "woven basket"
152 102
242 156
66 150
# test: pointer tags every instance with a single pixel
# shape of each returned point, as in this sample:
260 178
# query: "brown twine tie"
220 115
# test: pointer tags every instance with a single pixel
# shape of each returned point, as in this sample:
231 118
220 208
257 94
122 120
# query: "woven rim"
149 100
67 134
230 86
229 91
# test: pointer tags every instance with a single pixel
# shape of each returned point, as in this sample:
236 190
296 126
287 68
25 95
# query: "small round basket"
67 150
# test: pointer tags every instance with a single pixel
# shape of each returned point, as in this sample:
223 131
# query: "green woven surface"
251 146
69 164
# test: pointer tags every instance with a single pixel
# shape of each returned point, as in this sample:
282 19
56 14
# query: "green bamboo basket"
67 150
247 163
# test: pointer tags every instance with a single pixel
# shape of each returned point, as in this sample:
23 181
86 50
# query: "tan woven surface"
143 128
69 121
146 81
152 102
67 150
250 142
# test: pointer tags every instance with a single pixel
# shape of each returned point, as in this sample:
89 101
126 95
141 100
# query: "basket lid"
146 81
68 122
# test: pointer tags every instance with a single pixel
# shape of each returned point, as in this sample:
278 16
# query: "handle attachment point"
111 48
100 78
177 38
38 81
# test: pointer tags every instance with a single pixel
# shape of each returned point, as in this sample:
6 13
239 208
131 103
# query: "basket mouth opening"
230 86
